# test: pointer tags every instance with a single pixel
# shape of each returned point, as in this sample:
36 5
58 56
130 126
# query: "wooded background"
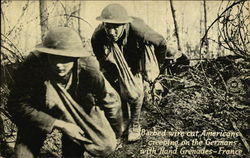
24 22
212 93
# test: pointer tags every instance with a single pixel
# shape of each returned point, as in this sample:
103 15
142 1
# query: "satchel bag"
100 137
131 86
149 64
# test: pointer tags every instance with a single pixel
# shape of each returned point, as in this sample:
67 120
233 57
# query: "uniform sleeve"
107 98
21 102
147 34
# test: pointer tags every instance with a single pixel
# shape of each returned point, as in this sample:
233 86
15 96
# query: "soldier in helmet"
59 86
131 38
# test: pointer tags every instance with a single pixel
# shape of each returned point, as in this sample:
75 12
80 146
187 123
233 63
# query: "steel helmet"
63 41
114 13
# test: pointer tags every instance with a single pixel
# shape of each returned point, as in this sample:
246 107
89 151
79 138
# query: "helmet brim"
79 52
115 21
176 55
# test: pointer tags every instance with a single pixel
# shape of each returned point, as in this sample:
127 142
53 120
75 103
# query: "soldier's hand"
71 130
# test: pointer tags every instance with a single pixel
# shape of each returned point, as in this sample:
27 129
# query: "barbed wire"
233 27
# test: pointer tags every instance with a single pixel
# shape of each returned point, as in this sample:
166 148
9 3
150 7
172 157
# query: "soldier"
130 53
59 86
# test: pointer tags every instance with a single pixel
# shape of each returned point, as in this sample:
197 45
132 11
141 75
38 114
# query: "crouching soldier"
175 63
59 86
130 53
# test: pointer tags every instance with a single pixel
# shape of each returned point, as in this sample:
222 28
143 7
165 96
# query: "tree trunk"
205 25
175 25
201 27
43 17
79 20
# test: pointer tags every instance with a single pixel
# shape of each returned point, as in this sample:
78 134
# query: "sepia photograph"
125 79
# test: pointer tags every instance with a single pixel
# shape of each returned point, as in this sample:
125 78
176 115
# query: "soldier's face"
114 31
61 65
